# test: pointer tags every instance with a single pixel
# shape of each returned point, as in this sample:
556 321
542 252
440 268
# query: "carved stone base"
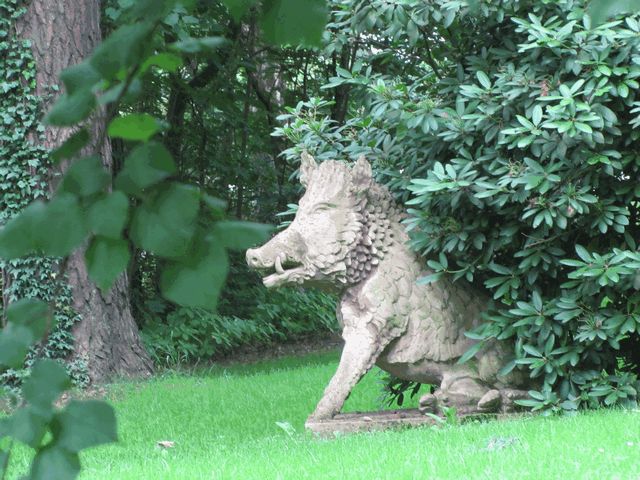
359 422
368 421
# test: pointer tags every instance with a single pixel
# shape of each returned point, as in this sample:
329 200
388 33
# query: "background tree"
106 337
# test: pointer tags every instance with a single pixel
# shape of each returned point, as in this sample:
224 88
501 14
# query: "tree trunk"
63 33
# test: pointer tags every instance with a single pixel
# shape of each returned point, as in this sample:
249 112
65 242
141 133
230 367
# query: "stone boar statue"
347 236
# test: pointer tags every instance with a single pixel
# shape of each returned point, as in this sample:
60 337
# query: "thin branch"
539 241
432 63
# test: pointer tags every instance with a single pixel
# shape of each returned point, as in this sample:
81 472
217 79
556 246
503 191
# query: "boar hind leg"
358 356
464 391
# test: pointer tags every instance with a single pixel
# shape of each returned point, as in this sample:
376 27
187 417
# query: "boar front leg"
360 352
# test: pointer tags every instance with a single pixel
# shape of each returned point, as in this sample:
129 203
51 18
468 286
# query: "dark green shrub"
512 137
188 335
192 334
295 311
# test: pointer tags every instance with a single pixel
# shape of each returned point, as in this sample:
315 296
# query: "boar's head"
317 247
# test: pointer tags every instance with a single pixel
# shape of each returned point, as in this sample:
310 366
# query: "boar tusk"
278 264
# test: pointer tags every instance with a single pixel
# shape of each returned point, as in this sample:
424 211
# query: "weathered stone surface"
347 236
360 422
368 422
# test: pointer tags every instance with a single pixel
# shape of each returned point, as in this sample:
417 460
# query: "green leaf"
216 205
70 110
294 22
85 424
81 76
237 8
71 146
572 262
27 426
135 126
19 236
147 165
55 463
605 70
236 235
483 79
168 62
15 341
196 45
28 320
524 122
85 177
531 350
32 313
108 215
528 403
165 223
122 49
623 90
197 283
565 91
507 368
46 383
434 277
537 115
583 253
583 127
106 259
115 93
537 301
63 227
470 353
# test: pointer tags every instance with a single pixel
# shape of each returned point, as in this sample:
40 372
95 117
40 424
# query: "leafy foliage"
188 335
394 390
509 130
56 435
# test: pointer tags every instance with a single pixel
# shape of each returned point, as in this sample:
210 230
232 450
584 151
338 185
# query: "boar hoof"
490 401
428 404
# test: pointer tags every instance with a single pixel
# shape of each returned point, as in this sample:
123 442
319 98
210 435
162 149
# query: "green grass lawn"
223 423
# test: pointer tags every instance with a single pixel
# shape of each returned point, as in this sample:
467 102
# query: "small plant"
394 389
450 418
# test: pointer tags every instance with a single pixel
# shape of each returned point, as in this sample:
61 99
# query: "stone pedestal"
358 422
368 422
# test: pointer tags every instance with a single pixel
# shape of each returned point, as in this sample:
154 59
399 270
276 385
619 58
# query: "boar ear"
307 166
361 175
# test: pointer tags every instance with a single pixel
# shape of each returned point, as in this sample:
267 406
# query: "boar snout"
284 254
254 259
